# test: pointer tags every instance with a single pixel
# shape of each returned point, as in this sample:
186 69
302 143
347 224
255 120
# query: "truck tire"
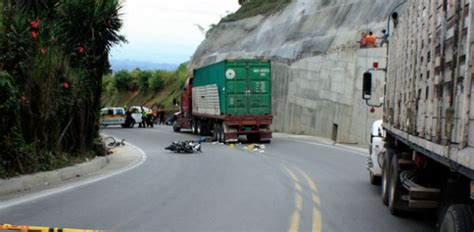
458 218
198 127
193 127
386 175
395 188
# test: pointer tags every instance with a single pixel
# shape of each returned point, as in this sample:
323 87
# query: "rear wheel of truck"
458 218
395 188
385 175
193 127
198 127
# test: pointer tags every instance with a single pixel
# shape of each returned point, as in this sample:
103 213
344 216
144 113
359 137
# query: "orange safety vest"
371 40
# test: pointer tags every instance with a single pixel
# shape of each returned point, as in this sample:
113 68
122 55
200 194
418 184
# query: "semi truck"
228 99
428 117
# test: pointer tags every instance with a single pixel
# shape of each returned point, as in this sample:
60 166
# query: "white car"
377 149
112 116
137 112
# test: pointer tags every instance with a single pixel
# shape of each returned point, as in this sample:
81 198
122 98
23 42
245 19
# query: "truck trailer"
429 112
228 99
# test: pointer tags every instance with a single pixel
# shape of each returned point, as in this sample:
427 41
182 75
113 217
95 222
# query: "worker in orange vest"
363 40
371 40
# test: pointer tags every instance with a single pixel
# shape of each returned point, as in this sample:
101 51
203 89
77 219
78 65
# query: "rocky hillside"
317 65
303 28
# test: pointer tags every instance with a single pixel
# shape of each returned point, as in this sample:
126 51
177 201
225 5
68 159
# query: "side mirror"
367 86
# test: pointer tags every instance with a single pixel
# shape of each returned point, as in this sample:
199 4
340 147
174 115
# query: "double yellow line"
10 227
316 202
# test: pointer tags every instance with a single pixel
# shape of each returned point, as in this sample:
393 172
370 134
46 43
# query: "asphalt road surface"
291 186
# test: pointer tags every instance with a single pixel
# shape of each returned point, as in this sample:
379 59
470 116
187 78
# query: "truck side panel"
429 79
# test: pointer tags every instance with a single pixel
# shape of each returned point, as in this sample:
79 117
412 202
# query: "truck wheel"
385 176
395 188
193 127
198 128
458 218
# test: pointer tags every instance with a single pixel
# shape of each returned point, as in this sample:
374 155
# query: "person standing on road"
143 123
162 117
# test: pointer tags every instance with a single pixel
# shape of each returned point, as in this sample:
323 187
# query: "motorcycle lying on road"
184 147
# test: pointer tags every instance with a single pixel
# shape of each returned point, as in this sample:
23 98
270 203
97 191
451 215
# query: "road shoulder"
44 183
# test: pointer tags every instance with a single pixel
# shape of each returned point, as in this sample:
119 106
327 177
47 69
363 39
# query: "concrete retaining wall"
313 94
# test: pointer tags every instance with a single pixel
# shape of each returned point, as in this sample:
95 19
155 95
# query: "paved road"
293 185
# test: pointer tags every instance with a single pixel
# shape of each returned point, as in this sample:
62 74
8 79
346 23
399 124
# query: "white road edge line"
330 146
60 189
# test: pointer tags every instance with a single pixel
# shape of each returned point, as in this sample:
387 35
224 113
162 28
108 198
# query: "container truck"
228 99
429 112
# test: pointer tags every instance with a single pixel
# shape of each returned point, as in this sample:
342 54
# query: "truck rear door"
248 88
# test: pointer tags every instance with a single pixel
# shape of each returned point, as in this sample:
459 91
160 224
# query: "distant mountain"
118 65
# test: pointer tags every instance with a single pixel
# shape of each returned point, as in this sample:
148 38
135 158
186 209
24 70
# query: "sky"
166 31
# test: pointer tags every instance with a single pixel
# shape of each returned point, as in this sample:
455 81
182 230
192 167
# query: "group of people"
369 40
149 117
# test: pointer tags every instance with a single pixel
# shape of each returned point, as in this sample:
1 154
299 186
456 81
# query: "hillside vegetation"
53 55
137 87
256 7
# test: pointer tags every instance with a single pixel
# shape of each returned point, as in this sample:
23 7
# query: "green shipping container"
240 87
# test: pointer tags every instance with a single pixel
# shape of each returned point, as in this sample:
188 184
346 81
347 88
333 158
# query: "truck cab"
376 151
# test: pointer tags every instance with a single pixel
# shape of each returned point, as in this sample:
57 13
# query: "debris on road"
185 146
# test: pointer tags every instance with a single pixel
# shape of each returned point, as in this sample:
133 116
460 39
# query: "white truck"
429 112
376 151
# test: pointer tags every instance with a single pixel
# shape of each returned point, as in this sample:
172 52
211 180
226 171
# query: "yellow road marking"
316 199
316 220
292 175
299 202
311 183
298 187
296 216
295 222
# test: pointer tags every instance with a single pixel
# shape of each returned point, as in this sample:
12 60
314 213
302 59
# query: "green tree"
53 55
122 80
156 81
144 80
